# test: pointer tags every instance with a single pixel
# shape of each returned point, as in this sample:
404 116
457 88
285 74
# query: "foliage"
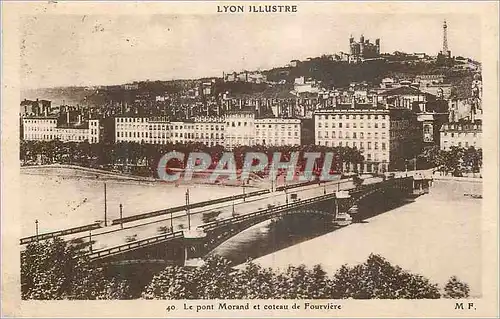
172 283
456 289
254 282
142 159
377 278
54 269
214 279
456 159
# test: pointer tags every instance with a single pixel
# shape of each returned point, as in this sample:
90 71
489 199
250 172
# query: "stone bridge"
187 247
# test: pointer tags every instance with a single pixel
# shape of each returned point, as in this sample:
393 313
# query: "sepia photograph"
244 152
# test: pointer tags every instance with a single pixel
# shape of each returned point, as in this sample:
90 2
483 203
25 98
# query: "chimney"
67 117
79 119
353 102
374 101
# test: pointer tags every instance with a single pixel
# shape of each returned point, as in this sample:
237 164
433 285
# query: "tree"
254 282
173 282
378 279
54 269
456 289
213 278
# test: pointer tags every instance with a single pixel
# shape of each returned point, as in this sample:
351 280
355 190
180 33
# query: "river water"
438 235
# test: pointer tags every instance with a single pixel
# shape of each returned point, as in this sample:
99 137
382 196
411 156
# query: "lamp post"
90 241
233 213
187 209
36 229
244 195
105 208
171 222
121 215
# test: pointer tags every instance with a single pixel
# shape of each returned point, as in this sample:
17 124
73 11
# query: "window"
383 146
340 125
369 145
353 134
376 146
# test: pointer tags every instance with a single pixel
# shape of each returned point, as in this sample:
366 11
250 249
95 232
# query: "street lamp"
244 195
90 241
36 229
121 215
171 222
187 209
233 208
105 208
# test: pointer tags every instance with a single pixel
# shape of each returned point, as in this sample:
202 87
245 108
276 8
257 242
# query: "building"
239 129
131 129
48 129
405 97
159 130
209 130
463 134
432 115
386 136
35 108
364 48
277 131
245 76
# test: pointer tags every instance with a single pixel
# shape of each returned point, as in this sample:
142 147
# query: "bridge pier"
194 247
342 205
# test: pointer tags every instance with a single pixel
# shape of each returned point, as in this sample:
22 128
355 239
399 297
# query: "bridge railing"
136 244
292 186
263 212
69 231
184 207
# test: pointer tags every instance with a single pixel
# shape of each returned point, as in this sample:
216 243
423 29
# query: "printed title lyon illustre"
257 8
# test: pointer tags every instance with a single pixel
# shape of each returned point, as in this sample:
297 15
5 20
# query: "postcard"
249 159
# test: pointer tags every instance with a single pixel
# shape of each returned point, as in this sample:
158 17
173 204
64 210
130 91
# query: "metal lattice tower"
445 38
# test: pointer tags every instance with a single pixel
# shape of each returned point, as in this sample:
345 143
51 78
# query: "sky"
66 50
